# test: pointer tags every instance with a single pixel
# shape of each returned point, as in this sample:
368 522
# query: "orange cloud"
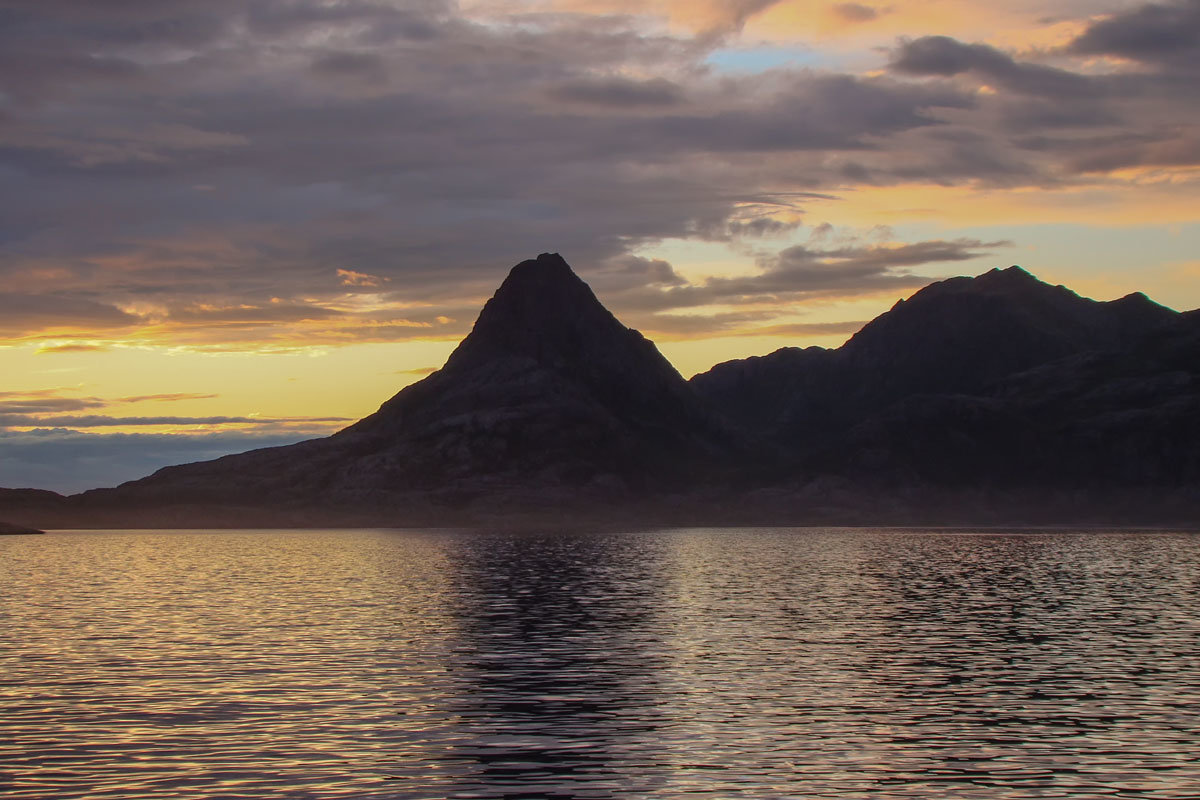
352 278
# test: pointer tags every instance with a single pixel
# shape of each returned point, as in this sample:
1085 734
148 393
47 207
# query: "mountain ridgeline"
996 399
999 381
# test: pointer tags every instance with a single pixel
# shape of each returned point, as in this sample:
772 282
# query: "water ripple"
700 663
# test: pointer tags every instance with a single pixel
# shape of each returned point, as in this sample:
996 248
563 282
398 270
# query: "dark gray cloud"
854 267
221 165
813 112
1152 33
858 268
255 158
1044 124
618 92
47 402
22 313
1165 149
356 66
946 57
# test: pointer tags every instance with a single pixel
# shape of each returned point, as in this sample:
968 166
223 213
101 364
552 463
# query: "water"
697 663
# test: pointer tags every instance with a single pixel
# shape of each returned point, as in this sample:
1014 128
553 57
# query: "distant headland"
16 530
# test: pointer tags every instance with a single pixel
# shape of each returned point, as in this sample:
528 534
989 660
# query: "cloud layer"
228 172
56 408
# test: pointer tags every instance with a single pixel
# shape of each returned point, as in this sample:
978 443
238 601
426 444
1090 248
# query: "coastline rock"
8 529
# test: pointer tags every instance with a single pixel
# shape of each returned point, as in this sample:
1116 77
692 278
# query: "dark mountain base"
825 501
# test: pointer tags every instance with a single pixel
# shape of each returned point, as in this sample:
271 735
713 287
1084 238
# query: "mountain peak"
1014 274
542 311
961 334
1012 280
546 268
1013 284
539 287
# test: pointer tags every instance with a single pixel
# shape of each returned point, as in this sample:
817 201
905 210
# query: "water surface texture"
691 663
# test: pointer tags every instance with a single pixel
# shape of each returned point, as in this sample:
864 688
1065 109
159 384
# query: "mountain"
549 401
957 336
995 399
999 383
1117 418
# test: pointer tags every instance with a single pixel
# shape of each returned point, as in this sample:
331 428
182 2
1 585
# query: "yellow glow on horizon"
348 382
1012 25
1157 202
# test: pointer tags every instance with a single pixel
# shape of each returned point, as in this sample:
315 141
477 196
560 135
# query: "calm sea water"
689 663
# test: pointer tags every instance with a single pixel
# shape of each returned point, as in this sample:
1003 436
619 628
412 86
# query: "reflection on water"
747 663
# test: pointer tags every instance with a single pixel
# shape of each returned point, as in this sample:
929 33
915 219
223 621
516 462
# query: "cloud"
28 420
618 92
72 461
45 402
946 57
719 18
51 407
852 269
357 66
682 326
1152 33
638 271
24 313
489 142
741 323
1174 148
855 12
28 408
430 146
351 278
802 329
167 398
251 315
72 348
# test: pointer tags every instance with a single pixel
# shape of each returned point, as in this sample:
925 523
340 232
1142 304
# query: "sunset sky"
234 223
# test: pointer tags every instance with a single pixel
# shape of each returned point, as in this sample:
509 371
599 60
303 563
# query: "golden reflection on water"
712 663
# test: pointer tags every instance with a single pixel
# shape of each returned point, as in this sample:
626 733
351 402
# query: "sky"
229 224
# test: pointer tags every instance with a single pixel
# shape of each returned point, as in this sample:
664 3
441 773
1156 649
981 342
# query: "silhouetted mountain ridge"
549 401
995 398
997 382
957 336
545 324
